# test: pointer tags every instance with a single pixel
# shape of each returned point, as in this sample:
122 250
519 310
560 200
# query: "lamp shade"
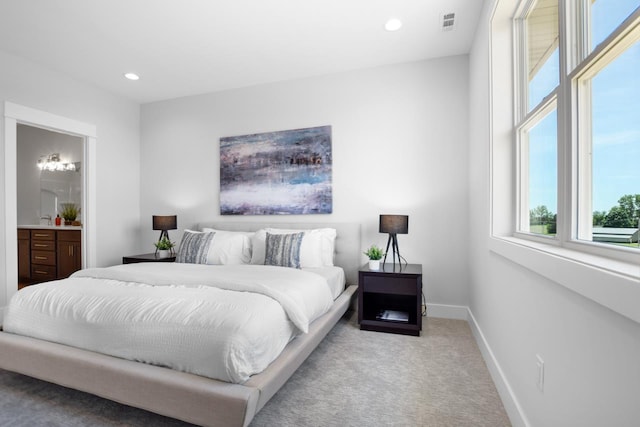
165 222
394 224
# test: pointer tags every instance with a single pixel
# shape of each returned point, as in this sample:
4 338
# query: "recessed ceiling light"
132 76
393 24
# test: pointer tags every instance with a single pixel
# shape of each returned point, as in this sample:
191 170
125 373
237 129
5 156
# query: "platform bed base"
179 395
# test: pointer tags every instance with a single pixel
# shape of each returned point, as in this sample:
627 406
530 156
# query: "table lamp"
164 223
394 225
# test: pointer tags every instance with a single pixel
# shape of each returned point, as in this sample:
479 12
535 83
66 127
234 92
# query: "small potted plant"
164 247
375 254
69 213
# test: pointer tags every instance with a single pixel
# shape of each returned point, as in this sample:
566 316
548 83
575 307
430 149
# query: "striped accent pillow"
194 247
283 249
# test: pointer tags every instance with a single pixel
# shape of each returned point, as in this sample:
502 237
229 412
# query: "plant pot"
374 264
68 222
164 253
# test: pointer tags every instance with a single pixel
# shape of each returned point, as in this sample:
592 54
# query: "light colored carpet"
354 378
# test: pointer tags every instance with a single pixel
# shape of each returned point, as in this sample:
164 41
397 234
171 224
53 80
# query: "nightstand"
390 299
152 257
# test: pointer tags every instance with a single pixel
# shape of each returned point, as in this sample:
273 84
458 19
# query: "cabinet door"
24 257
69 258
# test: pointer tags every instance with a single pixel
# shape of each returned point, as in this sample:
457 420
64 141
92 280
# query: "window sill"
613 284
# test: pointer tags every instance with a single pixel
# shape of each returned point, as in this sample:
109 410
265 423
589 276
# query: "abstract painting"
277 173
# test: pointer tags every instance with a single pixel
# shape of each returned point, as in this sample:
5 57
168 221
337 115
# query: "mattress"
221 322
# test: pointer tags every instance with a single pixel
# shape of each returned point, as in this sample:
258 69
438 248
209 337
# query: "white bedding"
222 322
334 276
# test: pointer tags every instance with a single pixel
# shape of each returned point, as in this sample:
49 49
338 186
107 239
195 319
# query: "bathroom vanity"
48 253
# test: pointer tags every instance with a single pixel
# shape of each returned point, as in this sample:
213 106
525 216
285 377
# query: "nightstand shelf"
151 257
394 292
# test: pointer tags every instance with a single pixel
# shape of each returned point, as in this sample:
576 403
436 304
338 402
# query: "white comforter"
222 322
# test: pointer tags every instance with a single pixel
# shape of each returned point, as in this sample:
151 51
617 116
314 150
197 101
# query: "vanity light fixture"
53 163
393 24
132 76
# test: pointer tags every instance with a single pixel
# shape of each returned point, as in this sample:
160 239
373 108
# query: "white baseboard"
509 400
445 311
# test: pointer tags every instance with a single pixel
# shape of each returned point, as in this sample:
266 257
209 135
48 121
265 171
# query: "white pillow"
316 249
229 247
328 245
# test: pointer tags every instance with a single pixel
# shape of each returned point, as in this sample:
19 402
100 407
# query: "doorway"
21 115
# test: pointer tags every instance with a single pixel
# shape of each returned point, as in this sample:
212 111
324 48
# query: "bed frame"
180 395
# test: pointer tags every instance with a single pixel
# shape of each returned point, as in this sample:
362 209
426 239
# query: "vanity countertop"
51 227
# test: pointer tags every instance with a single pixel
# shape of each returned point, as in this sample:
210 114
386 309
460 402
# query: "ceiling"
189 47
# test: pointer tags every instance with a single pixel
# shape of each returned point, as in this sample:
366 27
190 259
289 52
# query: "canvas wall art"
277 173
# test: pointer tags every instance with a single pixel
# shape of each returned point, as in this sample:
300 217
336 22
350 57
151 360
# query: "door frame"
15 114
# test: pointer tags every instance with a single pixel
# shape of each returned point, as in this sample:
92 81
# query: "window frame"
524 120
574 190
627 34
537 116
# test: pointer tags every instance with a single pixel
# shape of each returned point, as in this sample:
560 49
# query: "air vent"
448 21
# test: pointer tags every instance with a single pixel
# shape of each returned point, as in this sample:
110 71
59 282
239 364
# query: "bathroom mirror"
58 187
49 172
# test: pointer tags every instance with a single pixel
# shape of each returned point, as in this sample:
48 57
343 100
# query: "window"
539 154
603 16
577 128
538 131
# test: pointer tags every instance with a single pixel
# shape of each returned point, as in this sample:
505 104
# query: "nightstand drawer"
43 257
396 285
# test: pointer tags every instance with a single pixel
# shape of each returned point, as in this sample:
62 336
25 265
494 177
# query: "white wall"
399 146
118 155
591 353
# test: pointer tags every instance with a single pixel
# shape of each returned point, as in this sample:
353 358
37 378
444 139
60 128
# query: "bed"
182 395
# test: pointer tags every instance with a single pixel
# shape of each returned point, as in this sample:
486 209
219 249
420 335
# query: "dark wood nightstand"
390 300
152 257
